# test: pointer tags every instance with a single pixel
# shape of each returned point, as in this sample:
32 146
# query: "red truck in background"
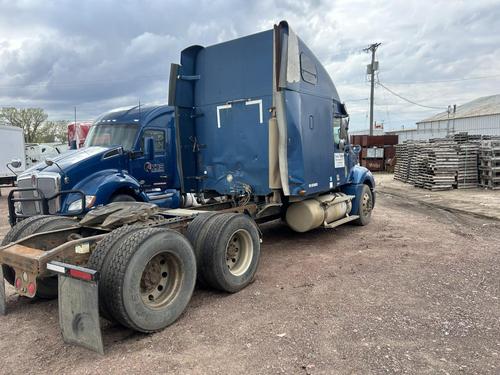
77 132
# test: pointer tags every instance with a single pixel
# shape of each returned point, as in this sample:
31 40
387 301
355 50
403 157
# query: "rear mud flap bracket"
3 297
79 312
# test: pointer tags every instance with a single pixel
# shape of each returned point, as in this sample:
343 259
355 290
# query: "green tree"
29 119
53 131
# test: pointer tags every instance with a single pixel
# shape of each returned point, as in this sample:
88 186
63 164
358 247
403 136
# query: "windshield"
112 135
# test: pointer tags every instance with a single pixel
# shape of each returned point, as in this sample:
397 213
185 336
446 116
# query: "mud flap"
3 297
79 306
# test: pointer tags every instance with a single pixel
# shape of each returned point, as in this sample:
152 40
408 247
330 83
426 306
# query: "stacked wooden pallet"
467 173
401 169
442 166
419 164
489 164
460 137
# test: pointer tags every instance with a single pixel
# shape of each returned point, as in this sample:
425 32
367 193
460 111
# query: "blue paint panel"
233 152
309 127
360 175
238 69
238 148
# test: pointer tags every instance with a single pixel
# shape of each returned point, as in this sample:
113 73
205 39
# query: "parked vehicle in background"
37 153
11 148
77 133
129 155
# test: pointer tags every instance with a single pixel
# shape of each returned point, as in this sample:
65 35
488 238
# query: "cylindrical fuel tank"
311 213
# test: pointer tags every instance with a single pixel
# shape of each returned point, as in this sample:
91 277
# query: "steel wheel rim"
367 204
160 280
239 252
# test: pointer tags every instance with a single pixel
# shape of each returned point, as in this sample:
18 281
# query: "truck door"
152 173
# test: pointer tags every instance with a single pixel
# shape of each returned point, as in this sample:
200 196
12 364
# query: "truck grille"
48 183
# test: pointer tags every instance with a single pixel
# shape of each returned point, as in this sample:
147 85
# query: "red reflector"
31 288
18 283
80 275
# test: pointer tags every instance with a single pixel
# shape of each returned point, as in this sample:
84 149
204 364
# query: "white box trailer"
11 147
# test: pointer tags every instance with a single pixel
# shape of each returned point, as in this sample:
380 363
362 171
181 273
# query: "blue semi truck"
260 135
129 155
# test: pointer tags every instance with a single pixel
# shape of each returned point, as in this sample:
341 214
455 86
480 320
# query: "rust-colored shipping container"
356 139
378 140
389 152
374 165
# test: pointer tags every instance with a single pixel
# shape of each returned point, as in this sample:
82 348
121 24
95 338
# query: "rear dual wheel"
147 278
227 248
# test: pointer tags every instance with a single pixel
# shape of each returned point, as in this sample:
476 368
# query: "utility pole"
370 69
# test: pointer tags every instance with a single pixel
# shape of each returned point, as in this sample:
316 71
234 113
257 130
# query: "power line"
408 100
446 80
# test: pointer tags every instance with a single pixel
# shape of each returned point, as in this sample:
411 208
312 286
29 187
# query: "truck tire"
151 278
196 233
231 252
99 260
123 198
46 287
365 206
14 234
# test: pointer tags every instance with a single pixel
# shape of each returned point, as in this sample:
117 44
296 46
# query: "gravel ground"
416 291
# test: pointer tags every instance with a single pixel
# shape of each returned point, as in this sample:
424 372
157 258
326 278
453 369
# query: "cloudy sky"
97 55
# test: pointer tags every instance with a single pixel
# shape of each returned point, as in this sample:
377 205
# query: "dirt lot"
416 291
479 202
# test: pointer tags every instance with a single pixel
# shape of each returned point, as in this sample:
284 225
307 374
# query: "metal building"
480 116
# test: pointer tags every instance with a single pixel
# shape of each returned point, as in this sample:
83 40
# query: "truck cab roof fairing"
294 57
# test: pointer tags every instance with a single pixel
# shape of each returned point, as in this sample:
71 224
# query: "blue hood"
71 159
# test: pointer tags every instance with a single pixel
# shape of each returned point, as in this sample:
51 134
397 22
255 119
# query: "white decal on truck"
219 107
339 160
259 102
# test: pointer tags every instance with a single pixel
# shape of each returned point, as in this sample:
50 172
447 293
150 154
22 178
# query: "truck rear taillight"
31 289
75 272
80 275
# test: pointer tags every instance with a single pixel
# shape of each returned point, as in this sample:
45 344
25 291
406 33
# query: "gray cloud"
97 55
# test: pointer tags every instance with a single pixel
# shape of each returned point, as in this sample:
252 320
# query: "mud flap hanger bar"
2 293
78 305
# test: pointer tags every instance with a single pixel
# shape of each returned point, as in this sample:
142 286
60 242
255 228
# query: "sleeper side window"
308 69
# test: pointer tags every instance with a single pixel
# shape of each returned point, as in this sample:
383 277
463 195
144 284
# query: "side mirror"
16 163
49 162
356 149
73 145
149 148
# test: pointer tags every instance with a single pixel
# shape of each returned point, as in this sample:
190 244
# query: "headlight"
77 205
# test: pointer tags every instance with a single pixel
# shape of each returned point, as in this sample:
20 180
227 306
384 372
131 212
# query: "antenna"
140 117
